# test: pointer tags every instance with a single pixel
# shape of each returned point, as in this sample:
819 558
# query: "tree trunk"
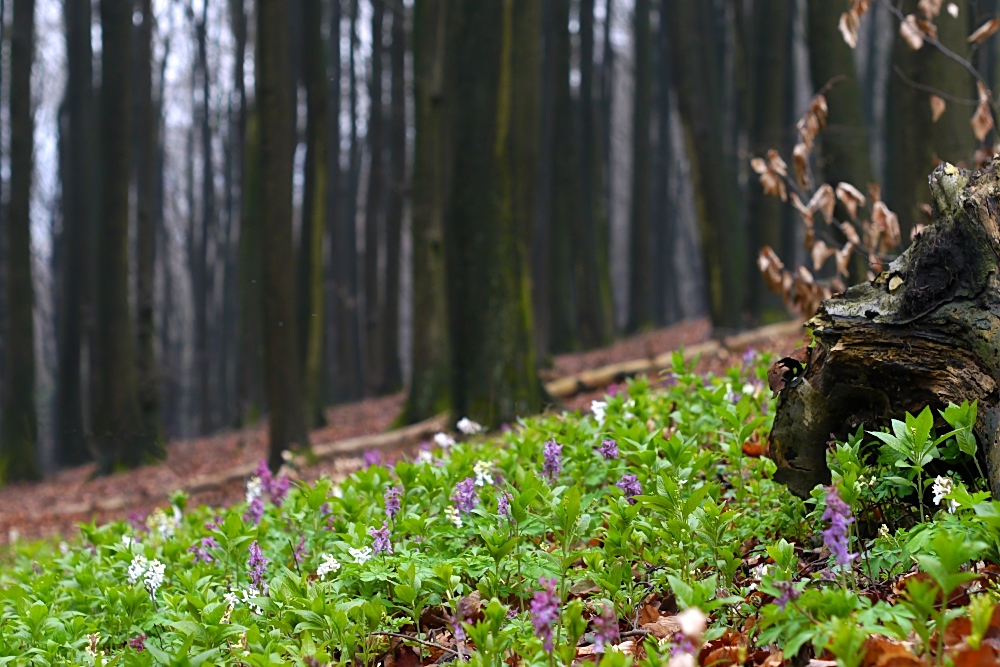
78 218
146 144
203 285
252 399
374 207
640 302
667 306
493 363
281 359
924 332
392 374
429 382
117 421
18 438
313 213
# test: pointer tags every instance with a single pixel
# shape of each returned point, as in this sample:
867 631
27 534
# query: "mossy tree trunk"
924 332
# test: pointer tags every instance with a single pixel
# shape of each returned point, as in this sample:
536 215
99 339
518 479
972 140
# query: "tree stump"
924 332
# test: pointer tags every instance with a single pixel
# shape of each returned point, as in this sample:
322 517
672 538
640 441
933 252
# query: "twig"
932 90
635 633
399 635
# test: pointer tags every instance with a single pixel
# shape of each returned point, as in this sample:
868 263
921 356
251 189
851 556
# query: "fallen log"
926 331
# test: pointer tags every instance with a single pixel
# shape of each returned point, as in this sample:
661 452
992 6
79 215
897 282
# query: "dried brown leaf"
937 107
820 253
982 120
910 31
812 121
775 162
843 258
663 627
804 211
851 234
874 192
824 200
930 8
850 21
917 230
772 173
800 162
887 225
771 268
985 31
851 198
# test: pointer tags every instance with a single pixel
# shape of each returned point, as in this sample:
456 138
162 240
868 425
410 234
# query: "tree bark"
282 363
924 332
19 435
78 219
201 280
640 302
312 316
375 208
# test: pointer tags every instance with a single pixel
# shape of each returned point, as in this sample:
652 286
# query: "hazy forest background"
217 211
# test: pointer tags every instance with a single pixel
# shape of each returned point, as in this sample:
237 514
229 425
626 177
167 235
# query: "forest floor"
56 505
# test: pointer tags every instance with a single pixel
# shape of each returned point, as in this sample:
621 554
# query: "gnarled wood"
924 332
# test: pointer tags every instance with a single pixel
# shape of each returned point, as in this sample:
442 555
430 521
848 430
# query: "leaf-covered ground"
649 531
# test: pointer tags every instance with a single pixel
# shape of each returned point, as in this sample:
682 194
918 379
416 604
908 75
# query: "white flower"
230 599
254 489
468 427
953 10
941 488
599 408
483 476
453 516
163 524
693 623
137 569
883 531
64 548
443 440
328 565
362 555
248 596
425 456
127 541
749 390
154 576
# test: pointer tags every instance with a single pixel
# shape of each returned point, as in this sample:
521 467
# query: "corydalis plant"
835 537
545 612
552 459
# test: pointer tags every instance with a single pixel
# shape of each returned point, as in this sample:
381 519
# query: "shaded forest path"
213 470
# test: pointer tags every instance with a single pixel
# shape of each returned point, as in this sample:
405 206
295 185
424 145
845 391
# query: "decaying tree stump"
924 332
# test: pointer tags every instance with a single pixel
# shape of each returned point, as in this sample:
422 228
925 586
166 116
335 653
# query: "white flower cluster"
151 572
425 456
246 596
362 555
599 408
443 440
453 515
483 476
164 524
329 565
942 487
469 427
254 489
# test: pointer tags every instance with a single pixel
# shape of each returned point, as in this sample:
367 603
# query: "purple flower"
381 543
682 646
788 593
552 454
201 553
299 552
835 537
254 511
462 613
608 449
137 520
545 611
279 490
630 486
138 643
503 504
392 503
605 627
256 565
749 356
372 457
464 496
265 476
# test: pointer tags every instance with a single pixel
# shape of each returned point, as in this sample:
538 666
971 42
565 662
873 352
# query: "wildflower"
941 488
248 596
392 503
483 476
255 511
443 440
137 569
883 531
328 566
362 555
163 523
230 598
835 537
453 516
256 565
552 455
154 576
381 541
138 643
372 457
788 593
468 427
425 455
545 611
255 488
300 550
279 490
93 639
463 611
137 520
503 504
599 408
630 486
464 495
201 553
608 449
749 356
263 473
605 627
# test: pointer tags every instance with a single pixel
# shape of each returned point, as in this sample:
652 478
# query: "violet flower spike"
256 565
545 611
264 474
503 504
630 486
605 628
788 593
464 495
138 643
608 449
838 513
372 457
392 503
552 455
279 490
381 544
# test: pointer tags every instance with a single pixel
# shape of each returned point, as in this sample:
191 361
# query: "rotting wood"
924 332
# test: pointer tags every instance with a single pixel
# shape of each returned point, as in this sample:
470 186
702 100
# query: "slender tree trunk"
146 144
313 212
698 77
374 209
252 398
117 421
541 236
334 212
493 364
392 374
640 308
77 200
203 285
282 361
665 229
19 435
430 389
